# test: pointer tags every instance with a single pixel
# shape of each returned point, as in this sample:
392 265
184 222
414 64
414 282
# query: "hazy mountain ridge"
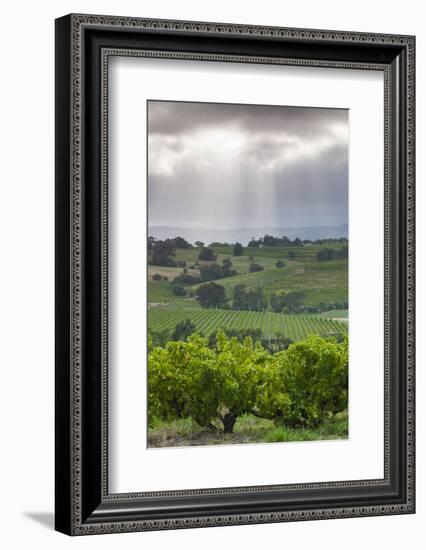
244 235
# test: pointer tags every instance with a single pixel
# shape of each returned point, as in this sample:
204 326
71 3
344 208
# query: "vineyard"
234 388
235 371
295 327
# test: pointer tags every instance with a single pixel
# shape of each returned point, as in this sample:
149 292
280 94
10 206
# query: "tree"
291 254
306 384
277 302
183 330
239 297
227 270
186 278
255 267
207 254
254 243
163 253
189 379
211 295
151 242
326 254
280 264
342 253
238 366
158 338
289 301
210 272
249 300
238 249
180 242
294 299
199 244
258 299
178 290
269 240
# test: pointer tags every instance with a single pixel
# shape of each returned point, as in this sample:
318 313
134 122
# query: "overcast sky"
239 166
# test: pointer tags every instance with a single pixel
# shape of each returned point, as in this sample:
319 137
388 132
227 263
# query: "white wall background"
26 289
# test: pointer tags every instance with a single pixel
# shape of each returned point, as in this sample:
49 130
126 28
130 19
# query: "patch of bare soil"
203 437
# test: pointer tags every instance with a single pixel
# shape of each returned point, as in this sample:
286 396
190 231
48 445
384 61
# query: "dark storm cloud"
220 165
175 118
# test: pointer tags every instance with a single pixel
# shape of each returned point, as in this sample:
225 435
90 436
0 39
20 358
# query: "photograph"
234 304
247 273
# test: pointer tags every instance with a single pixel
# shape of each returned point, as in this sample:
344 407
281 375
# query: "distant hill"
244 235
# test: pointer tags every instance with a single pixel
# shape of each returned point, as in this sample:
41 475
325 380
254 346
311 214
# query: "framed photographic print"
234 274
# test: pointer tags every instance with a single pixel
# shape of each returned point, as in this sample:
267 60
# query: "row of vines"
302 386
295 327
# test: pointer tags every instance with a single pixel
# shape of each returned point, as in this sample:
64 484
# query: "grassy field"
322 282
248 429
295 327
301 253
266 256
160 291
319 281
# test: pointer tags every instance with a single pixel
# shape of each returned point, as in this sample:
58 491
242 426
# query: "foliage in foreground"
302 386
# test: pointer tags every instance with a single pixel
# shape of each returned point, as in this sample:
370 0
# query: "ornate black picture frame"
83 45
